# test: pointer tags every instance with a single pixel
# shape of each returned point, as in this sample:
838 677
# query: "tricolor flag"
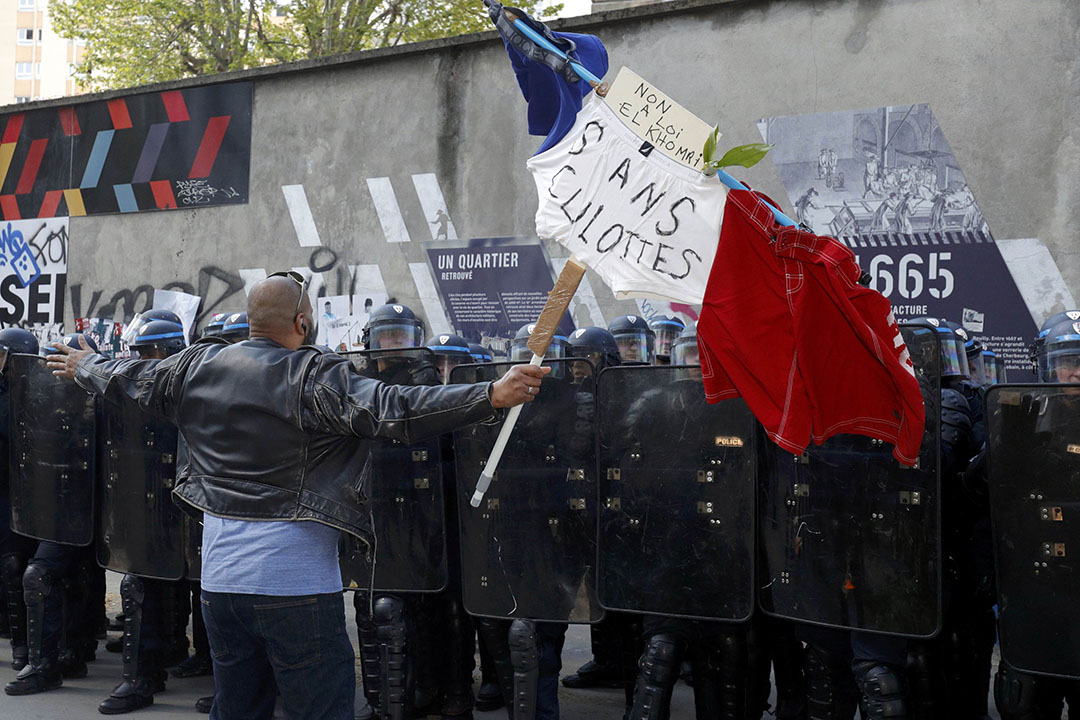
786 323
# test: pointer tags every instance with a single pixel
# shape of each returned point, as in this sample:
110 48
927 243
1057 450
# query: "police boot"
494 636
658 671
204 704
40 673
395 687
883 692
831 692
457 701
12 567
525 657
137 688
602 671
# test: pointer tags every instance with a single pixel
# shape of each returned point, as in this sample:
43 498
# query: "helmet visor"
953 358
1063 360
394 336
685 352
635 347
666 335
132 330
999 369
446 363
977 368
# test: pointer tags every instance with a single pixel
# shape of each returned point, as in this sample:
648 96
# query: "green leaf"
745 155
710 145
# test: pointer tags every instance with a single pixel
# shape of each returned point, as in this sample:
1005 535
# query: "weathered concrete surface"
1003 78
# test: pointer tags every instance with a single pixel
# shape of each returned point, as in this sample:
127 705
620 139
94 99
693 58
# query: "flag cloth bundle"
785 323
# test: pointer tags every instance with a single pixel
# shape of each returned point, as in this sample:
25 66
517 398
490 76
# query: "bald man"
279 434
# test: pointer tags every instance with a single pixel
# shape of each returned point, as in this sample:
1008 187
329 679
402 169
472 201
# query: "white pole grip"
488 473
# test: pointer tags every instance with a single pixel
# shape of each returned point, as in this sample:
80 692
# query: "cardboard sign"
657 119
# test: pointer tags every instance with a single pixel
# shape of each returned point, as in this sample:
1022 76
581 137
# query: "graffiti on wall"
153 151
33 275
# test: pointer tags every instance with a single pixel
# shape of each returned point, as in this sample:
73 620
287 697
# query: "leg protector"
132 596
12 567
658 671
1014 694
525 657
37 584
926 682
369 648
883 692
395 687
172 621
831 690
494 635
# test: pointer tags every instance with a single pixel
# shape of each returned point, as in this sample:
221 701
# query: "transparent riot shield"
677 484
52 463
529 550
407 506
140 528
850 538
1034 481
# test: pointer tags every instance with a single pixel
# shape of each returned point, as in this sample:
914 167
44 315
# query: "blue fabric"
553 102
264 645
269 558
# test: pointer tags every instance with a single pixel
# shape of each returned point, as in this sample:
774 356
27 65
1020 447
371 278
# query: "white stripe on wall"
432 201
388 210
250 276
429 297
1037 277
300 212
367 282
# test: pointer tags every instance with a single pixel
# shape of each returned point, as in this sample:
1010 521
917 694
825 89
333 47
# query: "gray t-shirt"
269 558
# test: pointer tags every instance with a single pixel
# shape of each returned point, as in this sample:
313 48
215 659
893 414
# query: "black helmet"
634 339
213 328
140 319
668 329
235 328
953 357
684 351
163 334
1036 346
72 341
519 348
962 338
16 340
450 351
1059 354
392 327
595 344
480 354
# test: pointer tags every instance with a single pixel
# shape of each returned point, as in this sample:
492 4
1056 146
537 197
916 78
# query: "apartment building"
35 62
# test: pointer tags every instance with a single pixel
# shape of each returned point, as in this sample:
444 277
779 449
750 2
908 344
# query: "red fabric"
786 325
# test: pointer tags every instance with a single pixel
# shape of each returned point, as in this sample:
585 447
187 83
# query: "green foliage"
744 155
134 42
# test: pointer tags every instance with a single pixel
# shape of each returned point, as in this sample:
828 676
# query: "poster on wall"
33 276
187 148
490 287
886 183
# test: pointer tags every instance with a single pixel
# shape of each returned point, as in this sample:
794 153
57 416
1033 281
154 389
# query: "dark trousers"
59 563
263 645
549 639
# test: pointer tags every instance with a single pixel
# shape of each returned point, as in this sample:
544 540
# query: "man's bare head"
272 311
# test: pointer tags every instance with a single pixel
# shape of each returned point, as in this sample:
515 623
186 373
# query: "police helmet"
213 328
1037 346
235 328
993 367
163 334
684 351
634 339
72 341
668 329
480 354
952 356
519 347
450 351
392 327
140 319
1059 355
16 340
594 344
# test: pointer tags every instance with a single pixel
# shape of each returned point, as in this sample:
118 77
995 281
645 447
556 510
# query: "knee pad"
523 648
883 693
12 566
37 583
1014 694
388 611
659 663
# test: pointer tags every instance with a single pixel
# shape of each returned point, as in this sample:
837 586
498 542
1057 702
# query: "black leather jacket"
278 434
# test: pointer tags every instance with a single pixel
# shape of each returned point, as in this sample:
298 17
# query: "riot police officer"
15 550
480 354
56 573
519 348
667 329
214 325
636 341
235 328
151 607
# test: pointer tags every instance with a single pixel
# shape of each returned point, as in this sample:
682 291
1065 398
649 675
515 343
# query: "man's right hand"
64 360
519 385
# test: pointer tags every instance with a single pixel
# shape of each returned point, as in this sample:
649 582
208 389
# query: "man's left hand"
63 364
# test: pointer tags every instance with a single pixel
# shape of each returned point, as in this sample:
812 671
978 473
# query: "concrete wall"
1003 78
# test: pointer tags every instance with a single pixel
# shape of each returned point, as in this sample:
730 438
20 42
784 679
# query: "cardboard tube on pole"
546 325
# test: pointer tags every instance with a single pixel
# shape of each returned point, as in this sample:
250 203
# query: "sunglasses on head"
299 280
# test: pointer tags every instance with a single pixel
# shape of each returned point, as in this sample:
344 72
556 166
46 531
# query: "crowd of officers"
54 594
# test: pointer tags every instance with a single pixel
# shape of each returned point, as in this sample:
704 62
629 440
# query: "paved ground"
79 698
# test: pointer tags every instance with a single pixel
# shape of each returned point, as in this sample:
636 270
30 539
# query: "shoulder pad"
954 400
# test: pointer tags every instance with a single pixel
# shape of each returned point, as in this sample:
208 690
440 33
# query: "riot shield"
140 528
406 495
850 538
192 548
677 486
1034 481
529 550
53 435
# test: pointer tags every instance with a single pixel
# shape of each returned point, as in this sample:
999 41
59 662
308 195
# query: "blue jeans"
263 645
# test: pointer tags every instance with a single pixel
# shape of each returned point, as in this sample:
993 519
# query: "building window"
26 36
23 70
22 99
37 70
27 4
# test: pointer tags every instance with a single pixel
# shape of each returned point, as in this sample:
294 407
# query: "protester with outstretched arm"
279 433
